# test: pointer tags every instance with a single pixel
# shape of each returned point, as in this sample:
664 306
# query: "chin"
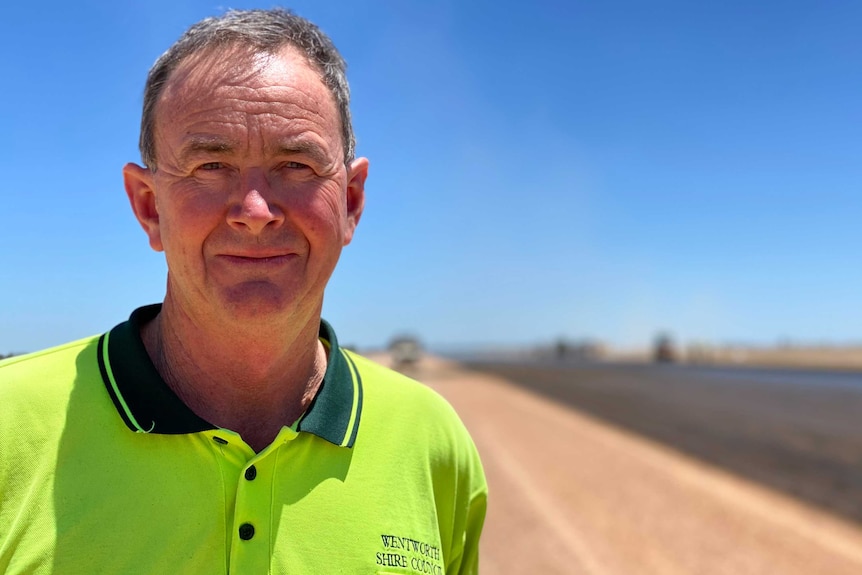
257 303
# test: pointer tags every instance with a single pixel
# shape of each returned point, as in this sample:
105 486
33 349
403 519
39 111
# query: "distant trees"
664 350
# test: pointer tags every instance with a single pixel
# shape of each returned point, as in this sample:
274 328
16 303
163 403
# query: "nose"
254 210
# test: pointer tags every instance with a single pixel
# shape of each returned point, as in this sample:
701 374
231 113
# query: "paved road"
571 494
800 432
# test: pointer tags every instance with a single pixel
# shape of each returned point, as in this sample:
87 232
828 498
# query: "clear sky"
538 170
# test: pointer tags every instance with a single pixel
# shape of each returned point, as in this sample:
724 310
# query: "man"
224 430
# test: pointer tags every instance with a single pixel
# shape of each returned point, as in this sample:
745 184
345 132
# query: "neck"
252 381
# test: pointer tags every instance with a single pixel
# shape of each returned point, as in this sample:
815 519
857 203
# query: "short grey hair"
265 31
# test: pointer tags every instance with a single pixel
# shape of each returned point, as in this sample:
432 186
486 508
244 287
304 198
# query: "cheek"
332 221
184 225
324 213
186 206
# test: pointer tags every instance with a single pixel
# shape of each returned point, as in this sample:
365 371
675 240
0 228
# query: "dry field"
787 356
826 357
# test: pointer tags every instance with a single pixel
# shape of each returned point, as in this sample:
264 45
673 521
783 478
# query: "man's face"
251 201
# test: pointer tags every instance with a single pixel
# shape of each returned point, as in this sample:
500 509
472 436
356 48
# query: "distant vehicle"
582 350
664 350
406 351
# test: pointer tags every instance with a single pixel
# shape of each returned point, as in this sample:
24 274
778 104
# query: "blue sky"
571 169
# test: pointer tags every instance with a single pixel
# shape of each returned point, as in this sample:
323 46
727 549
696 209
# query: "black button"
246 531
251 473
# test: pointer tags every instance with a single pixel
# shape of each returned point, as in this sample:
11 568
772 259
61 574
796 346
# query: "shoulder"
36 391
399 409
47 371
399 394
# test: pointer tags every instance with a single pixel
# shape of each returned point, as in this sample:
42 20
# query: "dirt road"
572 495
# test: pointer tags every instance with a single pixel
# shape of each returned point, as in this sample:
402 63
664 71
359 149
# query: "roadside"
571 494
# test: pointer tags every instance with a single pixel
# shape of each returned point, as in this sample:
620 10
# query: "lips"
258 258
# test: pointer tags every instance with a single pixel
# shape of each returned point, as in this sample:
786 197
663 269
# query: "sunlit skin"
251 202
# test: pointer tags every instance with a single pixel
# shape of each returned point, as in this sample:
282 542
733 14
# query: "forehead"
238 87
235 63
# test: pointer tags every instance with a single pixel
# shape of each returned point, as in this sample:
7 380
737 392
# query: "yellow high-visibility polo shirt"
104 470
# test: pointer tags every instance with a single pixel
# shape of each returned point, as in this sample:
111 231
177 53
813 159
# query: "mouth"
258 259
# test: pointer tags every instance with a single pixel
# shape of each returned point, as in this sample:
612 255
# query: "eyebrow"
202 143
218 145
301 147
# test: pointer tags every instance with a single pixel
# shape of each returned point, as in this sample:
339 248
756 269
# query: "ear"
357 171
139 188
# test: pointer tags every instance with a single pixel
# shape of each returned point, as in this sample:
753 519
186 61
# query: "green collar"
148 405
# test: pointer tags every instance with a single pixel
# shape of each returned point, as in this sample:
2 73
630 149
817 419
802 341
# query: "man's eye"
295 165
211 166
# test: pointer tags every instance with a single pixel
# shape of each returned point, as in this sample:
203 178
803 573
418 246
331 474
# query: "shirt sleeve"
467 561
